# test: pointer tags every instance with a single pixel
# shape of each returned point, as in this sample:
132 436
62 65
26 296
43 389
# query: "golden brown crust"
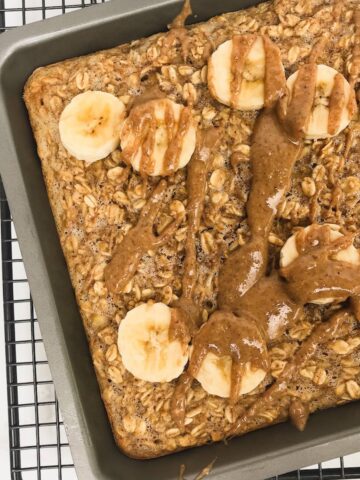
95 206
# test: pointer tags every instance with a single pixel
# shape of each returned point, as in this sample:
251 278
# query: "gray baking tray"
255 456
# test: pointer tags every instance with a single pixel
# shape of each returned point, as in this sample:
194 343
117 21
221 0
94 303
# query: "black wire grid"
39 448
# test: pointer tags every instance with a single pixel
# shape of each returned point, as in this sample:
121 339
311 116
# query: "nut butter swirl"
185 312
141 238
274 71
273 156
316 273
241 46
224 334
337 104
176 136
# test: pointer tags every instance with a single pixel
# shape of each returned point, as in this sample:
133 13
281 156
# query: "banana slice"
215 376
89 125
289 253
240 86
158 137
333 105
144 345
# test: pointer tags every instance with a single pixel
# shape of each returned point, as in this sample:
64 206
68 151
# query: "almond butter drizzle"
232 336
274 72
196 186
241 46
301 103
299 414
295 114
180 19
336 104
315 274
273 156
176 138
137 124
186 313
178 34
275 312
147 162
352 105
318 49
128 254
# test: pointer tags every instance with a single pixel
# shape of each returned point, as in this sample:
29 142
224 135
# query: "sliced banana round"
215 376
333 105
89 125
289 253
237 71
158 137
144 345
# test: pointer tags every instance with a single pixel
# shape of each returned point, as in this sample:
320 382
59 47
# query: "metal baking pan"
255 456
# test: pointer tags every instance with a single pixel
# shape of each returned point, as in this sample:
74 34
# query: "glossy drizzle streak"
241 46
127 255
186 314
274 72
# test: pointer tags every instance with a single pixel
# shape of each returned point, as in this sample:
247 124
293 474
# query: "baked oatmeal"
205 183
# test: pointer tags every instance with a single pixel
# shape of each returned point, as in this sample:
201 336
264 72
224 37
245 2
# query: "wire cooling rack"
39 448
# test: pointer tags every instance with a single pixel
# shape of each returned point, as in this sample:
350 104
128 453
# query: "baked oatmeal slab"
132 297
95 206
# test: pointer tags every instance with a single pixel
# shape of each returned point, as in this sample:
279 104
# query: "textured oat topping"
96 205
